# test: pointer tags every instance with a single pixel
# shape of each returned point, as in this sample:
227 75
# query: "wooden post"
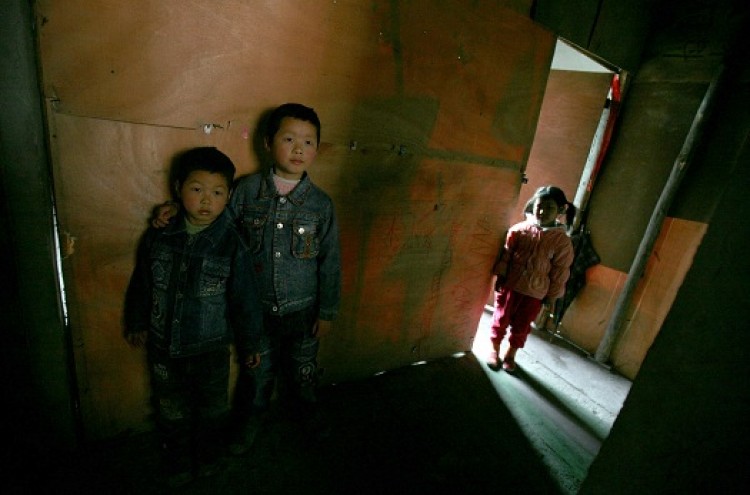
655 223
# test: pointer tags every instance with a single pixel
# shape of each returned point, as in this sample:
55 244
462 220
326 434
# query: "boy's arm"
245 310
329 269
138 296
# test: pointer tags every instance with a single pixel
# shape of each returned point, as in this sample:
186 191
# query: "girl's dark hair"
292 110
558 196
207 159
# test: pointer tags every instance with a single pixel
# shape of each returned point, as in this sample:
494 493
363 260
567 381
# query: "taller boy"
290 227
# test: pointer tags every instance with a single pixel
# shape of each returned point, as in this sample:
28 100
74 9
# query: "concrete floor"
448 425
563 401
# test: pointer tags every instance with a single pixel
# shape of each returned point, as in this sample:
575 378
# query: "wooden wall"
648 139
428 108
683 427
684 53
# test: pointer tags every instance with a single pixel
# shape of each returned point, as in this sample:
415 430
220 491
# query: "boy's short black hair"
292 110
208 159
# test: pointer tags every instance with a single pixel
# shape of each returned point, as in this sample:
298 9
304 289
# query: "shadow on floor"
435 427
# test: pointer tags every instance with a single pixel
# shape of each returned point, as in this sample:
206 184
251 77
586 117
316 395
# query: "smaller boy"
192 293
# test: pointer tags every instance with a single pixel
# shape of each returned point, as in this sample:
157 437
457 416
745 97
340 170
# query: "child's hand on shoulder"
163 213
252 360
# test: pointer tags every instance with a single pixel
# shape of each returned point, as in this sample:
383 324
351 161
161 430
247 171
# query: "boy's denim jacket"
195 294
295 244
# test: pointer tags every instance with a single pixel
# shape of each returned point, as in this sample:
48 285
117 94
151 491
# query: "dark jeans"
290 354
191 403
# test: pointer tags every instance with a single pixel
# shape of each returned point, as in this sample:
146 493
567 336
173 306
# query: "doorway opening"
571 124
572 132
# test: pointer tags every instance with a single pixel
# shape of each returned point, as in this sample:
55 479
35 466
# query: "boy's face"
204 196
293 148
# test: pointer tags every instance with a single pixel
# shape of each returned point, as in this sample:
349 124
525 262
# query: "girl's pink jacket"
535 261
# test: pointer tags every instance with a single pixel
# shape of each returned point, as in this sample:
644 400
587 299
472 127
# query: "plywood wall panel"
650 134
415 273
428 112
589 315
666 269
159 62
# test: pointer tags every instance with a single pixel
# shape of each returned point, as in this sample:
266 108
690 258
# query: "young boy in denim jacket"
192 293
290 227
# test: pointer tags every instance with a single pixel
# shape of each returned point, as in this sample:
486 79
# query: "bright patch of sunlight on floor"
562 402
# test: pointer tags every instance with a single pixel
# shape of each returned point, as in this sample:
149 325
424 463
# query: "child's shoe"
177 473
211 467
245 436
177 480
316 425
509 365
509 361
493 358
176 466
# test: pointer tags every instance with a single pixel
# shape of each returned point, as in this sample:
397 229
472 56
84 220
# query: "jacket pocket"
252 226
305 242
214 277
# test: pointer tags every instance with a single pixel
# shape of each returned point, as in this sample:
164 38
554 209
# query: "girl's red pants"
516 311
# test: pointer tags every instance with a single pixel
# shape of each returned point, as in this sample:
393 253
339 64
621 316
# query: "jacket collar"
296 196
178 225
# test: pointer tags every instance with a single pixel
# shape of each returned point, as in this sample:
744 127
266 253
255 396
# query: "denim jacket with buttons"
295 244
195 293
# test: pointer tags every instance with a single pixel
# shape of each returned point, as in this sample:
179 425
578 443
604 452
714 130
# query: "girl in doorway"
531 270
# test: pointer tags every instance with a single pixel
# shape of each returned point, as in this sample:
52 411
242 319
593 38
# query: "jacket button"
282 200
279 225
301 230
277 254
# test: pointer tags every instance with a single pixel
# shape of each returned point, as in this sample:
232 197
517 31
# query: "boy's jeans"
291 354
191 402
